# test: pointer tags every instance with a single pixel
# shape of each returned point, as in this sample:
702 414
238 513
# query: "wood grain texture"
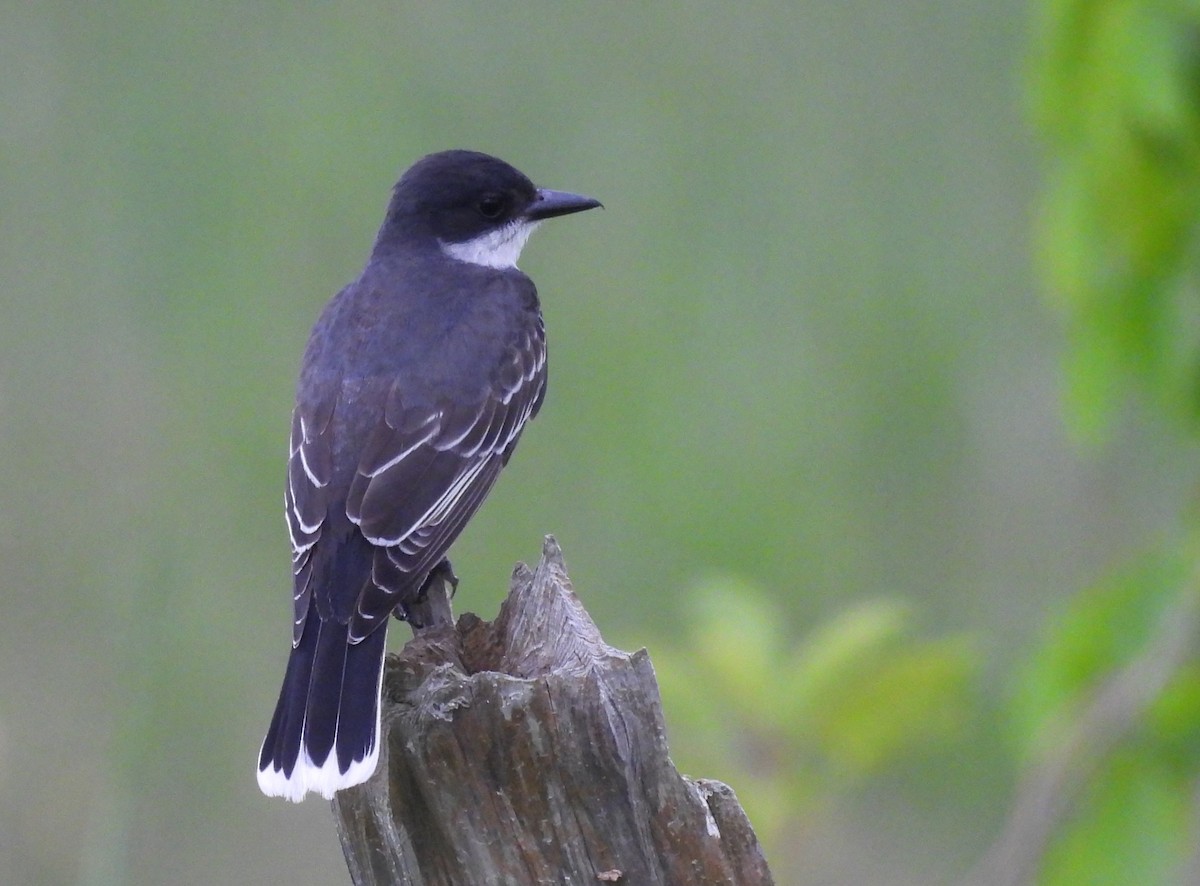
527 751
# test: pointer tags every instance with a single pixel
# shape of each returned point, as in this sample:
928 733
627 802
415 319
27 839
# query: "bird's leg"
432 606
443 572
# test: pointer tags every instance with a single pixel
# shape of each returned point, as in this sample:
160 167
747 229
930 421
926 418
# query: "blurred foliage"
806 719
1134 820
1131 828
1118 98
1102 629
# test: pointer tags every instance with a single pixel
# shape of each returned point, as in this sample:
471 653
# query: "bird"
415 386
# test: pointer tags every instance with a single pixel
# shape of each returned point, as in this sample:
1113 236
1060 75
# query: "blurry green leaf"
1102 629
844 702
1175 718
1131 828
839 652
1131 822
1116 95
741 639
910 698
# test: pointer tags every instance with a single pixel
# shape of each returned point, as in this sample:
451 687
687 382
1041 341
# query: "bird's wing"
425 470
305 497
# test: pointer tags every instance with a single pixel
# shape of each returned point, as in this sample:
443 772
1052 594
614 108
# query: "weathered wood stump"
527 751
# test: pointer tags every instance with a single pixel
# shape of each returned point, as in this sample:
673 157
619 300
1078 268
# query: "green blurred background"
801 359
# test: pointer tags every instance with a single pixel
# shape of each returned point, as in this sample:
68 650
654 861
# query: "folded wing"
425 470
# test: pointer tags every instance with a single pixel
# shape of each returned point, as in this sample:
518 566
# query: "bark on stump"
526 751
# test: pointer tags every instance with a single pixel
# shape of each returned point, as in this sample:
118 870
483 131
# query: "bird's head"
478 208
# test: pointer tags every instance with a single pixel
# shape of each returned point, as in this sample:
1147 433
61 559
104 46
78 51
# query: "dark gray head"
476 207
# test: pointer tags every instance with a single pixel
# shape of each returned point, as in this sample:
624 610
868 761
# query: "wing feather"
305 498
424 472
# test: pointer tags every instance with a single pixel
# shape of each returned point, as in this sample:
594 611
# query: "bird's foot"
432 606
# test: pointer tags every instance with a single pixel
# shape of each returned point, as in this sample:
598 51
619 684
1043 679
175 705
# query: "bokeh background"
806 393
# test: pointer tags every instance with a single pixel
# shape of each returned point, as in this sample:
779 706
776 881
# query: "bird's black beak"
548 204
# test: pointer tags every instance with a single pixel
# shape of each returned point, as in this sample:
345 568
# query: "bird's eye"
491 206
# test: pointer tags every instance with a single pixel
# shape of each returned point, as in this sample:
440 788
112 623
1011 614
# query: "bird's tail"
324 735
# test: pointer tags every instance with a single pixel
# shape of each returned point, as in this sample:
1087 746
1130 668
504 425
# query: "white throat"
496 249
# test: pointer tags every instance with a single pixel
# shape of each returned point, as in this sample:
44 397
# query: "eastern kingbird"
415 386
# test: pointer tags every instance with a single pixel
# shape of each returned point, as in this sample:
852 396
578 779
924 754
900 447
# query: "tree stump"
527 751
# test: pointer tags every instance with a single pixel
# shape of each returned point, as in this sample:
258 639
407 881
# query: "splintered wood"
527 751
